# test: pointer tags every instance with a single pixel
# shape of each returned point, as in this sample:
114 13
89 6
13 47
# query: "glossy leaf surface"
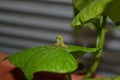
45 58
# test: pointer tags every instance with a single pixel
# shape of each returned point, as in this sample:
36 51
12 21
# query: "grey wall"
25 24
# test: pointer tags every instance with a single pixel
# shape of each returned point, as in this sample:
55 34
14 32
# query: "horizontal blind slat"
42 8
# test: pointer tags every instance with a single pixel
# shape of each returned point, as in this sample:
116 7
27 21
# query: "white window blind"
25 24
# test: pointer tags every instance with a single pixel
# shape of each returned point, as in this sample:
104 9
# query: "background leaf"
46 58
113 11
77 54
80 4
95 8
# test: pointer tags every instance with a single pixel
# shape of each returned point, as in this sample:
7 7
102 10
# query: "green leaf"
113 11
91 11
116 78
78 51
81 49
77 54
80 4
90 25
76 22
44 58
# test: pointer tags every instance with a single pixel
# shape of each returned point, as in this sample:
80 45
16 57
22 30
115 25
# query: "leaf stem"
101 32
69 76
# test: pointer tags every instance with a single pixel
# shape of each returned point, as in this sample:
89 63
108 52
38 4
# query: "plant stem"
101 32
69 76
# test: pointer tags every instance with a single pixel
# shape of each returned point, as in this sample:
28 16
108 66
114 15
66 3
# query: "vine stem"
101 32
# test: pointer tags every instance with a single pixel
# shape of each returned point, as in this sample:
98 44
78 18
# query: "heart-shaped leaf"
44 58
